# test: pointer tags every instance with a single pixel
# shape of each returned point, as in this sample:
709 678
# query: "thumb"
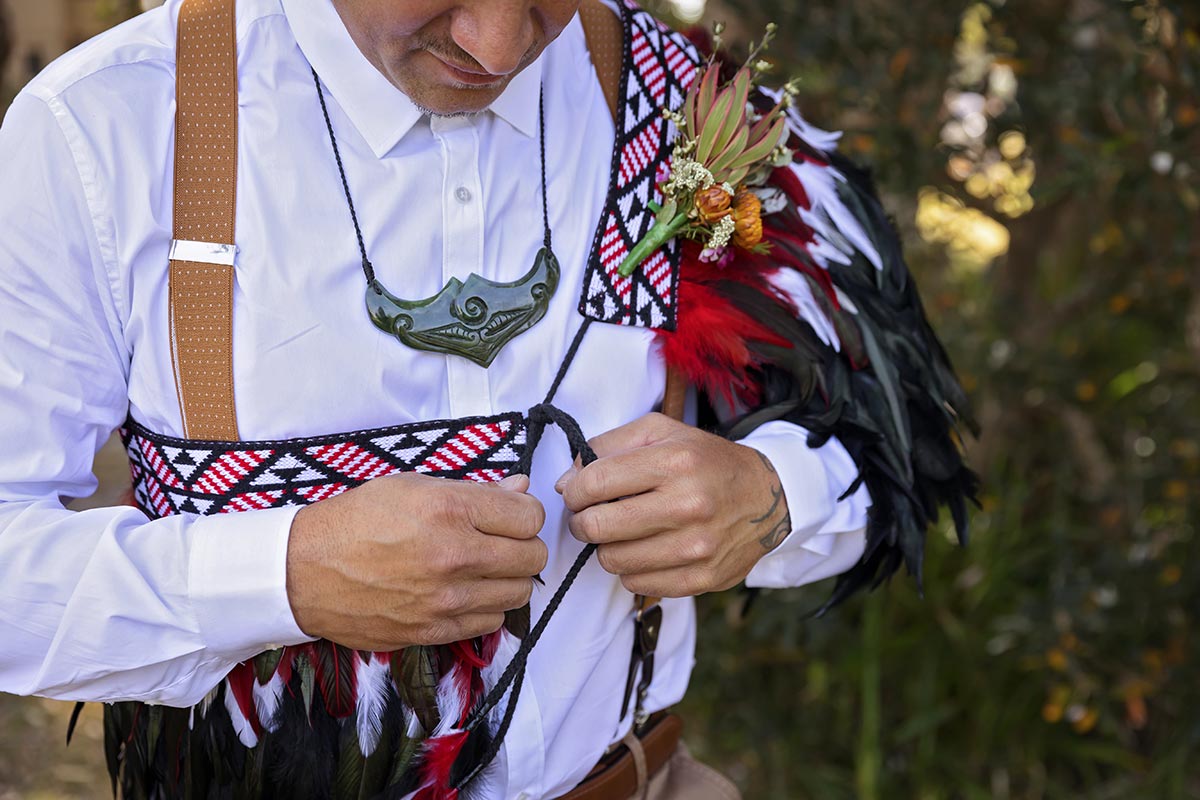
515 483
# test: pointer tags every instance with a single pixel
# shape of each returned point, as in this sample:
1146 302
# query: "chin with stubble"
453 57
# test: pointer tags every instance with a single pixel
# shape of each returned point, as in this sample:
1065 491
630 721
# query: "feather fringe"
239 702
882 383
266 702
453 696
440 753
373 677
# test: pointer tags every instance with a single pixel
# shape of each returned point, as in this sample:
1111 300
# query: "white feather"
815 137
450 703
505 651
266 702
371 680
207 702
797 288
508 647
241 724
413 726
834 225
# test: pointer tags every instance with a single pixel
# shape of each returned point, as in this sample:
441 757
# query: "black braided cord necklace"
474 319
537 419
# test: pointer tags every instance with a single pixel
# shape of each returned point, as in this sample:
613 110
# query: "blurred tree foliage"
1042 158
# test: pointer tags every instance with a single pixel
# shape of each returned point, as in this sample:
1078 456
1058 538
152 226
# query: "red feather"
431 793
711 343
489 644
783 178
467 654
440 755
241 683
284 668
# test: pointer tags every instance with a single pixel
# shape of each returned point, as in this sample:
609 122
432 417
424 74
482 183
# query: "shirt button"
463 194
523 796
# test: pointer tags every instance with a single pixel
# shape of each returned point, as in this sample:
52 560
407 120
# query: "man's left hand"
675 511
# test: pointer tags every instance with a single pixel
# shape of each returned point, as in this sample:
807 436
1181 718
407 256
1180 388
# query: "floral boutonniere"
724 152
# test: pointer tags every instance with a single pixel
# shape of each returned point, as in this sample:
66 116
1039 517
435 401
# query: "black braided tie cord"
538 418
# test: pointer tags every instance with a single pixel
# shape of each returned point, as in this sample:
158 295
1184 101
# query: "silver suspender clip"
203 252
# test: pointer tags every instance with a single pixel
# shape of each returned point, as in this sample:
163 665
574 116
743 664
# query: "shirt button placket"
462 249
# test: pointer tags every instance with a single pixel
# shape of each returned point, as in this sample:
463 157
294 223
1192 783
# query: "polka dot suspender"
202 253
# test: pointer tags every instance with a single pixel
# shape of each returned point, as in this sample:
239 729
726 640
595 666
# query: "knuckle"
593 483
685 587
442 506
608 560
542 558
452 598
700 548
535 516
484 624
682 461
586 526
705 581
525 595
696 506
447 560
438 632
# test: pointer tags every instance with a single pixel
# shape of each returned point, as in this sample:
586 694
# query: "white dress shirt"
106 605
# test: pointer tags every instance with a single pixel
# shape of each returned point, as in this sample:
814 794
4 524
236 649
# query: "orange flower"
712 203
747 215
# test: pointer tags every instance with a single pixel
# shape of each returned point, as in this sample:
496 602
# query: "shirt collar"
381 112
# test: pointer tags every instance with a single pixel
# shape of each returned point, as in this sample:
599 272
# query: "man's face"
453 56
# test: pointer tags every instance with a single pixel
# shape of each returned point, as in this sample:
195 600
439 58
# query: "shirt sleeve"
100 604
828 534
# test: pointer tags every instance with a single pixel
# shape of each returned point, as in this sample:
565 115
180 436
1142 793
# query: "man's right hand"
410 559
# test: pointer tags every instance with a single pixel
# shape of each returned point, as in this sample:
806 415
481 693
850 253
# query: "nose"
497 33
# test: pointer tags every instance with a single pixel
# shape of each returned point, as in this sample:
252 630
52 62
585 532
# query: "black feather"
299 760
890 396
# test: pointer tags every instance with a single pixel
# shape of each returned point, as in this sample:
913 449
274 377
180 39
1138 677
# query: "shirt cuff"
828 536
237 582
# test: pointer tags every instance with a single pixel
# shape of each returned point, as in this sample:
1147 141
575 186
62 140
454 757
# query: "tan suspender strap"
202 255
605 40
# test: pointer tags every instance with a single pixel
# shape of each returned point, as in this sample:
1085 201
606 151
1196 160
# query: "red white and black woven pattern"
172 476
659 66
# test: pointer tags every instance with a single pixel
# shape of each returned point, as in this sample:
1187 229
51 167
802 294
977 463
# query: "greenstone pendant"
473 319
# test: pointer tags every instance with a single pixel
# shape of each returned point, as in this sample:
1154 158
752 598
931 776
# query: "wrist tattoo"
775 530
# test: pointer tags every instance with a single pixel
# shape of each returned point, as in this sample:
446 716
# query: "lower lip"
472 79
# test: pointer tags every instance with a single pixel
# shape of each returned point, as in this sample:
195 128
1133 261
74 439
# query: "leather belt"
616 776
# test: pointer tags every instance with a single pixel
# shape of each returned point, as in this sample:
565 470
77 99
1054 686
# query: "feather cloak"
862 365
